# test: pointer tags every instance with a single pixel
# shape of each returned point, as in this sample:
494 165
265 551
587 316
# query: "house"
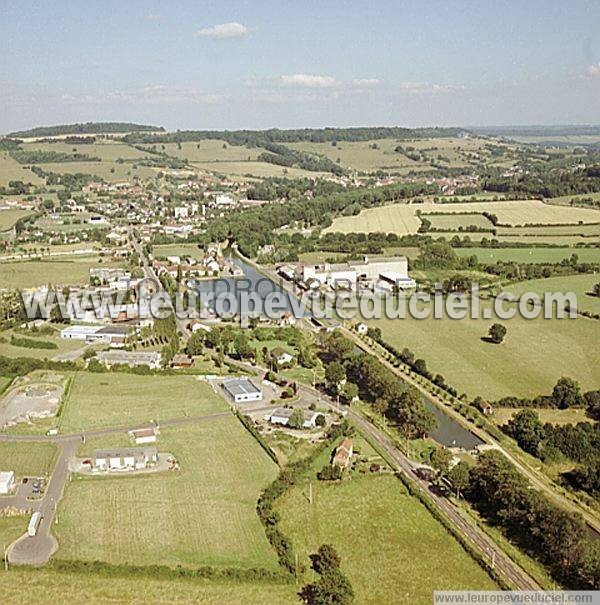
486 408
343 454
132 359
128 458
141 436
281 356
242 390
7 481
282 416
182 361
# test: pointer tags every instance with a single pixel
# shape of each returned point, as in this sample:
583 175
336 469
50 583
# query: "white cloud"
593 71
365 82
425 88
309 81
223 31
152 17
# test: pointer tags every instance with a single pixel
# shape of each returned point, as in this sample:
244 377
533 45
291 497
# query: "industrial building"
242 390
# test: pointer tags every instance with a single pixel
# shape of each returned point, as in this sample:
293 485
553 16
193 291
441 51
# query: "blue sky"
259 64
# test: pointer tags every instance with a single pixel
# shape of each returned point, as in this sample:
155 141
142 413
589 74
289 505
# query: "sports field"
49 586
115 399
530 255
580 285
534 354
392 549
34 273
401 218
203 514
27 459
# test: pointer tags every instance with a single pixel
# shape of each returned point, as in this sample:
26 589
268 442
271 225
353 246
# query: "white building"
126 459
242 390
7 481
142 436
282 416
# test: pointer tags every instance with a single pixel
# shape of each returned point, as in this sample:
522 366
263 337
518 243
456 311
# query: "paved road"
37 550
151 274
540 483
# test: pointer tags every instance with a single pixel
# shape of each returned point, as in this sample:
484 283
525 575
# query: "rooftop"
240 386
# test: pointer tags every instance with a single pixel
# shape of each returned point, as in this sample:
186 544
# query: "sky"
202 64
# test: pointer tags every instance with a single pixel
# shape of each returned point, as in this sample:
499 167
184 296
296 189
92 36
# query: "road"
149 273
38 549
542 484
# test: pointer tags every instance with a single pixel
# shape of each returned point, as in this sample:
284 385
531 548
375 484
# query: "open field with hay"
121 399
210 151
402 219
203 514
254 169
9 217
372 518
11 170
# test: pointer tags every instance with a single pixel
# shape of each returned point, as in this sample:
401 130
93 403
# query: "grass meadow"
121 399
45 585
532 357
203 514
581 285
530 255
570 416
35 273
392 549
11 170
9 217
26 458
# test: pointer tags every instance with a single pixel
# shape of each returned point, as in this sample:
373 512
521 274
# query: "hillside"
86 128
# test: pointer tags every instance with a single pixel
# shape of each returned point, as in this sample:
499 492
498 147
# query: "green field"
46 585
571 416
392 549
581 285
63 346
27 458
380 154
402 219
210 151
11 170
11 528
254 169
35 273
203 514
448 222
109 171
107 151
177 250
120 399
528 363
9 217
530 255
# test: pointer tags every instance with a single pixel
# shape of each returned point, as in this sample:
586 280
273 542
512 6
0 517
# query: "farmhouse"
7 481
130 358
282 416
242 390
129 458
142 436
282 356
343 454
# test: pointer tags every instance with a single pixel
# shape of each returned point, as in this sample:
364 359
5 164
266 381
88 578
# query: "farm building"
182 361
142 436
282 416
343 454
242 390
129 458
130 358
115 334
7 481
